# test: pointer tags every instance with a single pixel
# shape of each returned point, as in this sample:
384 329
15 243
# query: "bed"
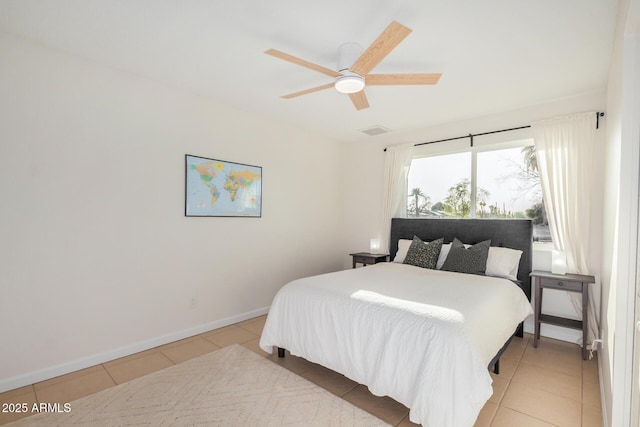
425 337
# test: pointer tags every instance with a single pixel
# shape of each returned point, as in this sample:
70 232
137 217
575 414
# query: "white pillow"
444 251
403 248
503 262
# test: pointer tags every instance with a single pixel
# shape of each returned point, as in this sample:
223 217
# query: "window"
439 186
479 183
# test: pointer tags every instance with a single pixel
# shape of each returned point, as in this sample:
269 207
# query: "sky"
497 173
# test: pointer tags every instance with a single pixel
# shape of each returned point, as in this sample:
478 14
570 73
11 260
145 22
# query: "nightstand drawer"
566 285
364 259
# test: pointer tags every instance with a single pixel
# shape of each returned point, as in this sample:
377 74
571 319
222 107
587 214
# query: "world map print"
220 188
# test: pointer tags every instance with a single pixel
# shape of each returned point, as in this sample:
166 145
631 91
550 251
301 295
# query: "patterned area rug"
229 387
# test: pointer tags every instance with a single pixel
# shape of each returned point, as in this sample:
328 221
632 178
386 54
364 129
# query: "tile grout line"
60 382
110 376
35 394
510 381
532 416
499 405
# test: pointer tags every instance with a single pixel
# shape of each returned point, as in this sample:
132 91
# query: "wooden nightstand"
367 259
562 282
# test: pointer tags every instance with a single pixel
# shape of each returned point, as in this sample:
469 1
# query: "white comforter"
423 337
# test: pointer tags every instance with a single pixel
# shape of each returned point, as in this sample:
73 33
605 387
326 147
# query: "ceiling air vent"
375 130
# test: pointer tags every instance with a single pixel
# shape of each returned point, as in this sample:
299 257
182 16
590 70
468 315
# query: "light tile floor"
547 386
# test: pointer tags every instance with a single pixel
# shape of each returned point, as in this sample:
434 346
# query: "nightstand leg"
585 318
538 310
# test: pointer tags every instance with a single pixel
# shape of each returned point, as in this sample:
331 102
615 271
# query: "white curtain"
564 152
394 199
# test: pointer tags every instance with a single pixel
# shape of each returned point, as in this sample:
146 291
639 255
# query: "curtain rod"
471 135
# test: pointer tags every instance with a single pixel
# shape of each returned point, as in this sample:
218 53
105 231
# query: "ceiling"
494 55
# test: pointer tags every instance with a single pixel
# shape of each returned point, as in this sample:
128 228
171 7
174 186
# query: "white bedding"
423 337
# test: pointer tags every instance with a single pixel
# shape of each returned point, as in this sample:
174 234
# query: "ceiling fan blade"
385 43
303 63
306 91
359 100
401 79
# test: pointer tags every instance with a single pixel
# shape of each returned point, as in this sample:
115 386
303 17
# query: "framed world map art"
220 188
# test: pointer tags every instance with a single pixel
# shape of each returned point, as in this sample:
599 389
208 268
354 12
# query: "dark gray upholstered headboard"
508 233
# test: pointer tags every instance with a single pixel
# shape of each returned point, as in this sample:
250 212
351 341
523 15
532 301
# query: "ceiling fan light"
349 84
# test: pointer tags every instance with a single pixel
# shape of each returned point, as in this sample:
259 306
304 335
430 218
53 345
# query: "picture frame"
219 188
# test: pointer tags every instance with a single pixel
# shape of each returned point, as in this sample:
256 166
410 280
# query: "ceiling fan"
354 66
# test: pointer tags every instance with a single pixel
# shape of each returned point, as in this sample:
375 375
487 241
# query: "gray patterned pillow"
423 254
472 260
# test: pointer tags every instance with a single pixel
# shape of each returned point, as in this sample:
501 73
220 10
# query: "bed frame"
509 233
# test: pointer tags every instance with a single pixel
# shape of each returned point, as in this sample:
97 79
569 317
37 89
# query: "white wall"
620 220
365 185
97 258
610 226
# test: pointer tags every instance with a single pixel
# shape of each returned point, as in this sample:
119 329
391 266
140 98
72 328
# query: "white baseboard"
96 359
